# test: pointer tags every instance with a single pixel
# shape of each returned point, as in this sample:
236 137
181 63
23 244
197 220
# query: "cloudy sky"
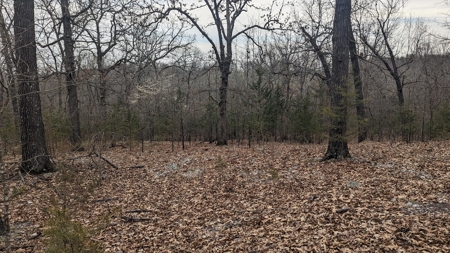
427 8
434 12
431 11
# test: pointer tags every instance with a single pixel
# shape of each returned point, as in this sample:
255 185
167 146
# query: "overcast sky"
432 11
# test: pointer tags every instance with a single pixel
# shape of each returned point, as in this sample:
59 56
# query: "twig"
104 200
101 157
106 160
343 210
139 211
134 219
136 167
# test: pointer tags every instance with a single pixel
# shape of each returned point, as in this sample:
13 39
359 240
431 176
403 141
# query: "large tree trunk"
35 157
222 135
69 64
399 85
337 143
360 109
225 67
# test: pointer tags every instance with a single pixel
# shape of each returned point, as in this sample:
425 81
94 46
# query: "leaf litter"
273 197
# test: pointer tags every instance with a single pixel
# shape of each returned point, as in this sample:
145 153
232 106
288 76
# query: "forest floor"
272 197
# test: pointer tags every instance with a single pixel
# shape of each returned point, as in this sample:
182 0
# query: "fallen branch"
136 167
343 210
104 200
104 159
139 211
134 219
93 153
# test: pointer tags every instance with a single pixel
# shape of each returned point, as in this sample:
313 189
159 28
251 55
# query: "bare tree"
317 30
357 80
225 15
379 30
102 34
9 82
57 40
35 157
69 65
316 27
288 64
337 144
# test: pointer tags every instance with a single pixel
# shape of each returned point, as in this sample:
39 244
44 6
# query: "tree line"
83 71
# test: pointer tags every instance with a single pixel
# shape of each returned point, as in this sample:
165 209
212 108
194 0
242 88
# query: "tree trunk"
222 138
225 67
102 88
35 157
337 144
399 86
287 104
360 109
2 95
69 64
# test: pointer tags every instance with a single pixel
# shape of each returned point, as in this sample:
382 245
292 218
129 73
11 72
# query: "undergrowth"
64 234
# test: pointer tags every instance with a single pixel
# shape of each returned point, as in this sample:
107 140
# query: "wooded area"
133 71
91 75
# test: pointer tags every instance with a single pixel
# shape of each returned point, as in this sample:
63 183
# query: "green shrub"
220 164
122 124
208 120
405 123
306 121
266 103
165 128
440 127
64 235
57 130
57 126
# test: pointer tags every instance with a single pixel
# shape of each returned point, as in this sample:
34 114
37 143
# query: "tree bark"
399 85
337 143
360 108
224 66
222 137
2 95
69 64
35 157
